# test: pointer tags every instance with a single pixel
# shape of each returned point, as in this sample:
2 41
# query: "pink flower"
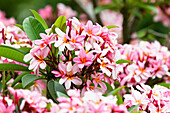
9 109
63 40
84 59
69 77
76 40
97 80
92 30
37 55
46 40
65 10
62 68
46 13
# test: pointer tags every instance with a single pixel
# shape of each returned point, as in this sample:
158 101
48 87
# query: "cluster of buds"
150 60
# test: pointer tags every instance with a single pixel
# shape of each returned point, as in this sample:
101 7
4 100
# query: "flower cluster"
156 100
150 60
47 12
87 54
11 35
90 103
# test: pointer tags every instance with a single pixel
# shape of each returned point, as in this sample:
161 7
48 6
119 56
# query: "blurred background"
136 19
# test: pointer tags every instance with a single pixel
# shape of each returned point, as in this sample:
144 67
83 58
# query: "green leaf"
18 86
112 26
115 91
20 26
19 78
60 94
12 53
39 18
33 28
27 79
109 87
53 87
165 84
133 108
12 67
123 61
0 86
147 7
135 111
59 23
119 99
25 49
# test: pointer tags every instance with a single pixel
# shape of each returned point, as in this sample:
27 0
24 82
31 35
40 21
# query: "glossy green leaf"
33 28
60 94
12 67
112 26
165 84
20 26
19 78
135 111
59 23
18 86
123 61
53 87
27 79
39 18
25 49
133 108
119 99
115 91
12 53
109 87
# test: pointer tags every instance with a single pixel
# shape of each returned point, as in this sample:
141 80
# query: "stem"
126 33
3 82
97 15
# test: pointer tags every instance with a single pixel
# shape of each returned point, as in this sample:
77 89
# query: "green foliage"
12 53
28 78
19 77
119 99
123 61
20 26
133 108
112 26
53 88
12 67
39 18
115 91
165 84
59 23
33 28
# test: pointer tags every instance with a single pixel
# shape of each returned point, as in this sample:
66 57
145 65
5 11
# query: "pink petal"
76 59
27 57
59 32
95 29
68 84
45 52
81 65
43 65
62 80
82 53
76 81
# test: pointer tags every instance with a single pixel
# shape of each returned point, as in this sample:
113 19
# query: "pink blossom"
84 59
37 55
46 13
